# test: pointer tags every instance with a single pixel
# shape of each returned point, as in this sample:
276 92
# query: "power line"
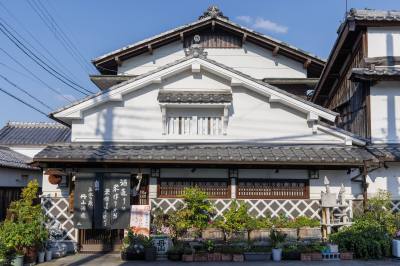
58 32
33 74
57 63
26 92
39 61
22 101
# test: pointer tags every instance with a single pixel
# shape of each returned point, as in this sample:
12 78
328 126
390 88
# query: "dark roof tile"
13 159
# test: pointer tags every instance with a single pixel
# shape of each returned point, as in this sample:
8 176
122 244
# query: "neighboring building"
19 142
193 107
361 81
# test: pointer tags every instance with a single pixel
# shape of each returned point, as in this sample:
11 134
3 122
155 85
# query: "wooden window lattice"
174 188
273 189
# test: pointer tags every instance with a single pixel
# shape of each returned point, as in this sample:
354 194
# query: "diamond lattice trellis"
257 208
56 209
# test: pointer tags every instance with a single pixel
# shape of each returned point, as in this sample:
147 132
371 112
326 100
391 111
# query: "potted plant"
200 253
260 231
277 239
150 251
175 253
7 254
312 252
308 228
187 255
132 247
291 251
214 252
237 221
226 253
258 253
237 254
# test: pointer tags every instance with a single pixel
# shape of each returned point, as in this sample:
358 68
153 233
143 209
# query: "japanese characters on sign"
102 201
140 219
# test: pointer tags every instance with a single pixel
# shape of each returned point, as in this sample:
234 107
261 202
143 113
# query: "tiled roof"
186 59
167 96
390 152
377 72
12 159
208 153
30 133
374 15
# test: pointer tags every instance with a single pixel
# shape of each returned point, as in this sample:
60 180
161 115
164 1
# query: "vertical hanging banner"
140 219
84 200
116 201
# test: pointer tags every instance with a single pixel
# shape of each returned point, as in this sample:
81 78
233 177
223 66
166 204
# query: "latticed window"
195 125
273 189
174 187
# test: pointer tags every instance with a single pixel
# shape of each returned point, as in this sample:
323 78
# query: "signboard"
140 219
84 200
102 201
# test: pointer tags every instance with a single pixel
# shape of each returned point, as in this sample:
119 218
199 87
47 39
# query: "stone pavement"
114 260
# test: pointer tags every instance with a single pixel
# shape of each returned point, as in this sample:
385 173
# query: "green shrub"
368 239
303 221
237 219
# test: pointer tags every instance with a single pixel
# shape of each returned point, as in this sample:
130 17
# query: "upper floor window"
194 125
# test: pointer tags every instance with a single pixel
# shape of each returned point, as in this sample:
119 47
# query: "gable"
217 31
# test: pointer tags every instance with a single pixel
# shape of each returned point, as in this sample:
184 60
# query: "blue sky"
96 27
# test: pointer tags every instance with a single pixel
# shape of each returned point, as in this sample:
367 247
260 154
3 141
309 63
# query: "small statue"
342 196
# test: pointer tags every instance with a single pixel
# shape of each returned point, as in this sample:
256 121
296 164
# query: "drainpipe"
365 185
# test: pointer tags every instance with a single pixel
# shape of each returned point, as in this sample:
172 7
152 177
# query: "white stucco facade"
383 41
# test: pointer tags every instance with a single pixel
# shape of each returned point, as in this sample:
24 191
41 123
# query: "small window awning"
182 96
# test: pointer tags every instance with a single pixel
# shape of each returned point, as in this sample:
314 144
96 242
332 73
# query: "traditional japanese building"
361 81
209 104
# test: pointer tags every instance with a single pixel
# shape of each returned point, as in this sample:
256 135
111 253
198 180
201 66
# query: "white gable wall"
383 41
385 112
252 117
250 59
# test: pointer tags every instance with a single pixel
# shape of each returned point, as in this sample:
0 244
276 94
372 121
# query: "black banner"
102 201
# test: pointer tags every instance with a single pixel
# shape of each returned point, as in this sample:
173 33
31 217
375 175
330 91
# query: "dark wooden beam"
118 61
307 63
275 51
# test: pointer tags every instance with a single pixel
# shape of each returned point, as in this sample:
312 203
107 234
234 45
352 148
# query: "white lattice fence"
56 209
257 208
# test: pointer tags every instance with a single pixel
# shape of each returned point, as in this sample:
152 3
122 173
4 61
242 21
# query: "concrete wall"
250 59
385 112
251 117
10 177
383 41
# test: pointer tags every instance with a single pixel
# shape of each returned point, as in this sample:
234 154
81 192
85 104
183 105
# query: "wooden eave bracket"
118 61
307 63
275 51
150 48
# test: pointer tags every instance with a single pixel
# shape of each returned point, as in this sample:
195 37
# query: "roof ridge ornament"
195 49
213 12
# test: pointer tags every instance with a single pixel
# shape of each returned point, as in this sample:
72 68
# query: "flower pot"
396 248
213 234
239 236
49 255
260 235
200 257
305 256
31 255
226 257
291 233
174 256
150 254
310 233
316 256
237 257
276 254
216 256
41 255
188 257
257 256
346 255
18 261
291 255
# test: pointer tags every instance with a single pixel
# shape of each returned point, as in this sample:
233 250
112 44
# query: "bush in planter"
132 247
237 221
277 240
23 229
175 253
7 254
150 251
195 213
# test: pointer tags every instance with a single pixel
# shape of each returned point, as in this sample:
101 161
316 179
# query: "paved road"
114 260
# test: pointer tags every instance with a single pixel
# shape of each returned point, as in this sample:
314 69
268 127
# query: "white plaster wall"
251 117
10 177
385 179
383 41
49 190
27 151
385 112
250 59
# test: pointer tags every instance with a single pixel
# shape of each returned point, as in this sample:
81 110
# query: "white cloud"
246 19
268 25
264 24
